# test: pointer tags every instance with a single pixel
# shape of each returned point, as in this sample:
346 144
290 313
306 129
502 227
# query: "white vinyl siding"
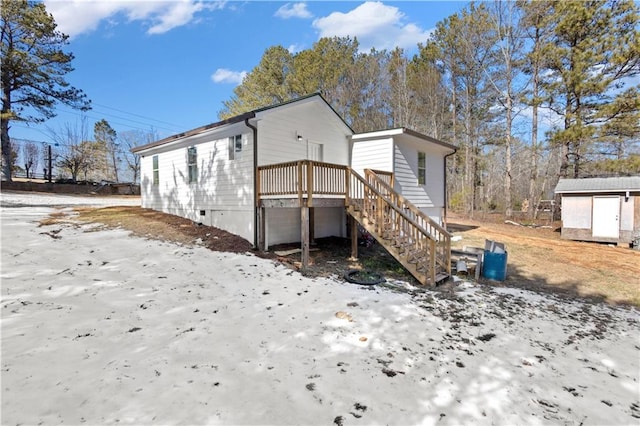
283 224
224 188
314 122
374 154
429 197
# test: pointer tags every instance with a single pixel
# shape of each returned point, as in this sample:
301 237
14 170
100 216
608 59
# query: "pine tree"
34 66
595 45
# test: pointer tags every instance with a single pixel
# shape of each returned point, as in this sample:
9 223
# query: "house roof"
400 131
611 184
233 120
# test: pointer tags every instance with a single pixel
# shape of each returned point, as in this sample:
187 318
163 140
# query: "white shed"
600 209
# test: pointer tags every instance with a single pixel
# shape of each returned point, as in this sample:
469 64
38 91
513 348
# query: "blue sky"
169 65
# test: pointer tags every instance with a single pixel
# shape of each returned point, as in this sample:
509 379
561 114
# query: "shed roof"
611 184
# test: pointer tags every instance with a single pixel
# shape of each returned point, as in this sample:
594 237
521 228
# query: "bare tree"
130 140
31 157
78 154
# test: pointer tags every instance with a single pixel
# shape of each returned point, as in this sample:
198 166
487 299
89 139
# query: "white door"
314 151
606 217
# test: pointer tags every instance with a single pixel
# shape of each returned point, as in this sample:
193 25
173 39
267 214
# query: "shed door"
606 217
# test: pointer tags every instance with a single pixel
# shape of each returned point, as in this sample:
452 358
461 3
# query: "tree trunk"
507 177
6 141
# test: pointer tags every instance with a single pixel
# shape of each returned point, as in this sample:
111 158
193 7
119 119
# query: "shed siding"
430 196
372 154
576 212
222 185
627 212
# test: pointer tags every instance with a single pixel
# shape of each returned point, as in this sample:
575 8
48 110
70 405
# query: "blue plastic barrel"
494 266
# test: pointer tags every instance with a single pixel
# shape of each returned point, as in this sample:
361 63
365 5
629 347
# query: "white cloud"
295 10
294 48
178 14
375 25
223 75
75 17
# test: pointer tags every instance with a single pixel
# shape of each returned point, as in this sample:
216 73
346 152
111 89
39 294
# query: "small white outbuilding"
600 209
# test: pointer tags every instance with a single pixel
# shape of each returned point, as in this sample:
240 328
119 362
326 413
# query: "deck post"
261 228
354 237
304 236
312 225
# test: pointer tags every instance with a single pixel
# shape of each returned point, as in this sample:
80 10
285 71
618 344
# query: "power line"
84 114
138 115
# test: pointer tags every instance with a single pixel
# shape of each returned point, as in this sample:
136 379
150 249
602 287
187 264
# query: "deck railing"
303 179
435 230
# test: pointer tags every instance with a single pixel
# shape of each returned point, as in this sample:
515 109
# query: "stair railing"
433 228
391 221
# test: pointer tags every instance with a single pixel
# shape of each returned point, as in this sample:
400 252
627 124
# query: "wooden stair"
420 244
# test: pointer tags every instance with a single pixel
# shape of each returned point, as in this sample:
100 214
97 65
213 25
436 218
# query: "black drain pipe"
255 182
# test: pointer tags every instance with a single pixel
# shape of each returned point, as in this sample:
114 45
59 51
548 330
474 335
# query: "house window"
156 171
235 147
192 164
422 168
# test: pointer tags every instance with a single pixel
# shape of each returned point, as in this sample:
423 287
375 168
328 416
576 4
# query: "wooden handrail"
424 221
401 201
303 179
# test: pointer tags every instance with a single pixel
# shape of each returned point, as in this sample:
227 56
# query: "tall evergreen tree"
595 45
106 139
266 84
34 66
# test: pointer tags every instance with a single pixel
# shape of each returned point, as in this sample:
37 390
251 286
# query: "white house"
283 174
208 174
416 161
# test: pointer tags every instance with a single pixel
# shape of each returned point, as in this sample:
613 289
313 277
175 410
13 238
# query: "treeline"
77 155
529 91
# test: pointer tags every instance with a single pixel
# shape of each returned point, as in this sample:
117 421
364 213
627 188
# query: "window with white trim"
235 147
156 170
422 168
192 164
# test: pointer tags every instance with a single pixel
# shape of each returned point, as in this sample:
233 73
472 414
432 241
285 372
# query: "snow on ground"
103 327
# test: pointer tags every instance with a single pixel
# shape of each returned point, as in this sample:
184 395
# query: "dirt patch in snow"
537 258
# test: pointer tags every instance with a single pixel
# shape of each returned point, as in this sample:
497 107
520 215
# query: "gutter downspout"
446 200
255 181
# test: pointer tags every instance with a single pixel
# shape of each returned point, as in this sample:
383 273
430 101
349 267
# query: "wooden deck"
420 244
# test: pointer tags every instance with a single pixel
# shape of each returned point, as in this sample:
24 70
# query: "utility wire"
138 115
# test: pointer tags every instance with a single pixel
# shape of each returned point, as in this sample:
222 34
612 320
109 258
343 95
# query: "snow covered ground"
102 327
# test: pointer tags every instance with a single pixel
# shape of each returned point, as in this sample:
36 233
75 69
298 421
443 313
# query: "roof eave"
199 130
